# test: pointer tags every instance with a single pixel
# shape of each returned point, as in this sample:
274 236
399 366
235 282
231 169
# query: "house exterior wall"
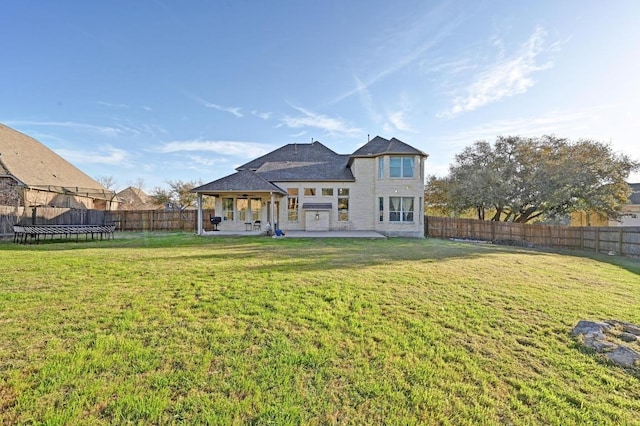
363 201
386 186
364 194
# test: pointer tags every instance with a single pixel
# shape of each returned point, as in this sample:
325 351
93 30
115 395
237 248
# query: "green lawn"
183 329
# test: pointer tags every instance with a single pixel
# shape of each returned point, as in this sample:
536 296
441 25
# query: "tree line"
522 179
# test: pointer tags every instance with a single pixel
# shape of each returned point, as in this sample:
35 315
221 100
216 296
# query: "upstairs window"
380 167
327 192
309 192
401 167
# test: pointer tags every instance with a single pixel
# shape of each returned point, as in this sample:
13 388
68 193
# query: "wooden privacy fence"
125 220
158 220
10 216
619 240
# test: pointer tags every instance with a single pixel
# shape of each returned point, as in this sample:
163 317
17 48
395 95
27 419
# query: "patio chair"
257 225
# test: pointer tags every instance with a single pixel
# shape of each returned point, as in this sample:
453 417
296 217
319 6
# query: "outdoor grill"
215 221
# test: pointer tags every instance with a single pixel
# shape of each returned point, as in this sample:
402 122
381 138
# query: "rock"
628 337
624 356
603 337
590 328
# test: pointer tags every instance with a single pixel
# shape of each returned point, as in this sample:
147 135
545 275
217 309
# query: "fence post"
597 242
620 241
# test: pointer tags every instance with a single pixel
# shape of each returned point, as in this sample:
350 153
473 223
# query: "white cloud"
233 148
105 155
263 115
232 110
104 130
333 126
397 122
207 161
508 77
402 45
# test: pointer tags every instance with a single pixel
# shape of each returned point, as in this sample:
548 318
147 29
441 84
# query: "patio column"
272 207
199 213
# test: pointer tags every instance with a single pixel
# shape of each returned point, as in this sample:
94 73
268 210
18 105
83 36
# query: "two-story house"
309 187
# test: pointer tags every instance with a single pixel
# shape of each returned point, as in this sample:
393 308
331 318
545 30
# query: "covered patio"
245 204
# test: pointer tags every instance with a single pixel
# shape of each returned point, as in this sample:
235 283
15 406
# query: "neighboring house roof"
135 198
634 198
36 166
244 180
381 146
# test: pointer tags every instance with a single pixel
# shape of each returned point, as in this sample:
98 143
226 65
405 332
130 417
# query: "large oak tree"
520 179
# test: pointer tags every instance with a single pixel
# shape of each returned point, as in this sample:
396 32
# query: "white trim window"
343 204
227 208
242 207
292 204
381 209
401 209
401 167
380 167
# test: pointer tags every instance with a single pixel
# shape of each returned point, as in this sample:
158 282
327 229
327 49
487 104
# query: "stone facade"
10 192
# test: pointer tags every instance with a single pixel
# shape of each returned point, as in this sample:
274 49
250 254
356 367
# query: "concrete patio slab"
299 234
333 234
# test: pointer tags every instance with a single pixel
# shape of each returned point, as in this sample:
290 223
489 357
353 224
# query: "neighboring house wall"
582 218
34 197
630 216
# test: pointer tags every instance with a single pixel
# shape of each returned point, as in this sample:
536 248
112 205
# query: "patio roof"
242 181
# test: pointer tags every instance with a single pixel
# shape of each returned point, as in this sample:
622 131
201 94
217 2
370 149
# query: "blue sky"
188 90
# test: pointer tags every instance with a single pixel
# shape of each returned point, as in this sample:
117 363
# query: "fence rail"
619 240
158 220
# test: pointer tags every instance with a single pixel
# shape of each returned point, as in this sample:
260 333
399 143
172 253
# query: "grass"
183 329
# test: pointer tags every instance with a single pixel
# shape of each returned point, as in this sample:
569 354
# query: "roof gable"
381 146
35 165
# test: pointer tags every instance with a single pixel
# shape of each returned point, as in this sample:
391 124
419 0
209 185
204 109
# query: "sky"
152 91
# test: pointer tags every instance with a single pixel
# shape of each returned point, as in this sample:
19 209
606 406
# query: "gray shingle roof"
305 162
244 180
301 162
380 146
